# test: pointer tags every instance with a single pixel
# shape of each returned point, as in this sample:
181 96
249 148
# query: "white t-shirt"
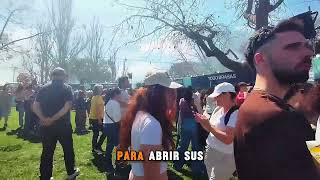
210 105
217 120
113 110
318 130
145 130
125 97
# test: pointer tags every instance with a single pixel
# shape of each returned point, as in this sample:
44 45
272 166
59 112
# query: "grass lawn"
20 157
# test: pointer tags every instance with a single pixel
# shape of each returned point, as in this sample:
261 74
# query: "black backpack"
227 117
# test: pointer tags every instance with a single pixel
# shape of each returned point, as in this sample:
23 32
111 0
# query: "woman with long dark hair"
189 132
148 125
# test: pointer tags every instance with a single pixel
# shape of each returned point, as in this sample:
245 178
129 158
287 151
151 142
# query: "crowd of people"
256 131
22 97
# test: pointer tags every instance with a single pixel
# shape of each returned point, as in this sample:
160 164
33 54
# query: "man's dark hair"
121 80
114 92
266 34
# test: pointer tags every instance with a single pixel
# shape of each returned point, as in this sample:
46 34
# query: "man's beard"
289 77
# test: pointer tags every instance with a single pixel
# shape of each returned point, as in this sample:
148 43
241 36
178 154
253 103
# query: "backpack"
227 117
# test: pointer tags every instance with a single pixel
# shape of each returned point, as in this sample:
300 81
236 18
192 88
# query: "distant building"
212 80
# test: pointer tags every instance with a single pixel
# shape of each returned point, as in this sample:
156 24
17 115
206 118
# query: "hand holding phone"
199 117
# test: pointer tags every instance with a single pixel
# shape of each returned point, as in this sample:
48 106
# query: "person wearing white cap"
219 159
147 125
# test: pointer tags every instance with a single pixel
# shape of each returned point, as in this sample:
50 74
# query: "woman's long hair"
19 88
188 96
153 101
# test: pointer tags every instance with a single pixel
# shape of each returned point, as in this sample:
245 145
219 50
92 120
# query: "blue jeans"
189 132
112 131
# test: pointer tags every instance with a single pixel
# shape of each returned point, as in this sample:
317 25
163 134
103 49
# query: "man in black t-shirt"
270 135
52 105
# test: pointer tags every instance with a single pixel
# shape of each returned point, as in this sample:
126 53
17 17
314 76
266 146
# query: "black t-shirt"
52 99
270 141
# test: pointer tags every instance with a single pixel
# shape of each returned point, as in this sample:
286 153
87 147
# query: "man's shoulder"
67 87
124 92
45 86
112 102
260 103
256 110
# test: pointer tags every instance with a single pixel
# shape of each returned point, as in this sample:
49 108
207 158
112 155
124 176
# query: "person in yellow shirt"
96 119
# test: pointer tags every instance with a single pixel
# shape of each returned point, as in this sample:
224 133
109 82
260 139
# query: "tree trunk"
262 13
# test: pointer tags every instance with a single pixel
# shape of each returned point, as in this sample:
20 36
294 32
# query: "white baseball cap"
221 88
161 78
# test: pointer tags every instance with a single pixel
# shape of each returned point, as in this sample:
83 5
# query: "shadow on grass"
98 161
194 176
3 129
11 148
21 134
82 133
173 175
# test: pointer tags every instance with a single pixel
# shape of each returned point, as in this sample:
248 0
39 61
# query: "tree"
260 16
29 65
13 11
139 85
67 44
189 68
84 71
43 47
179 21
112 64
94 67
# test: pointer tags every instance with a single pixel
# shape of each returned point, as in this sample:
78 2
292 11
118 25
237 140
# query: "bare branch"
167 9
145 35
181 12
7 21
177 22
21 39
276 5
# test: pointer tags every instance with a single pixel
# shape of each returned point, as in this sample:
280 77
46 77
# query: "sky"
141 57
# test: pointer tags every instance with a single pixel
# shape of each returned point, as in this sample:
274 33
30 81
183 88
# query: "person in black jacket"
81 113
52 105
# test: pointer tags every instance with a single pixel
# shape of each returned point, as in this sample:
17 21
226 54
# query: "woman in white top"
111 125
148 125
219 159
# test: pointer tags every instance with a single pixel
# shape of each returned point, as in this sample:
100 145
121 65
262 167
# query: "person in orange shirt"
96 119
